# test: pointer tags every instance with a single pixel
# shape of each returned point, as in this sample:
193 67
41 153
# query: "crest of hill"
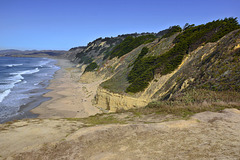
101 48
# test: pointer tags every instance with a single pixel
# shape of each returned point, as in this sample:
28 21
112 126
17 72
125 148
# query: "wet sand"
69 97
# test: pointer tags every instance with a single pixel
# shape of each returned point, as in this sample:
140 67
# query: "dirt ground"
206 135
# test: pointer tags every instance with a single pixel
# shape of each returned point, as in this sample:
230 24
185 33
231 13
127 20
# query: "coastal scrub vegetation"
172 30
83 58
91 67
129 44
143 52
144 69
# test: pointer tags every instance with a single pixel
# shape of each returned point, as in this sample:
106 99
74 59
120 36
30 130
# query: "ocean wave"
14 65
44 63
4 94
16 77
12 81
26 72
10 85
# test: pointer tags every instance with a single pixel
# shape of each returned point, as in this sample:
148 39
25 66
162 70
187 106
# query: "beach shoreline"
34 96
69 97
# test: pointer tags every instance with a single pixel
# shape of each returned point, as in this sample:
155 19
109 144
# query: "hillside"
142 68
99 49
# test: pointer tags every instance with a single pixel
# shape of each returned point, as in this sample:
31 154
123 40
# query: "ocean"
23 81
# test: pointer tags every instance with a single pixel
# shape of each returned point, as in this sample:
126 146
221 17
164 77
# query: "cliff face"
111 93
113 101
213 66
209 62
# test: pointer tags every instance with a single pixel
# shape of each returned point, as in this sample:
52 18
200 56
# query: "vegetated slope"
118 83
214 66
129 44
102 49
151 67
144 70
99 49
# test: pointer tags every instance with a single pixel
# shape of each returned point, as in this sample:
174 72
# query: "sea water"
23 81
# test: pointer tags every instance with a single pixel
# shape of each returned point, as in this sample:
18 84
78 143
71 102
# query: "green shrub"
83 58
172 30
144 51
141 82
129 44
91 67
140 67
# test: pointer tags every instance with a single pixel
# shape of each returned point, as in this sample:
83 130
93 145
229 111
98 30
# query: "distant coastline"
32 53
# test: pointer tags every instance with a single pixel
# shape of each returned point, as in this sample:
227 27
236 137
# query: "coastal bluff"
203 136
207 63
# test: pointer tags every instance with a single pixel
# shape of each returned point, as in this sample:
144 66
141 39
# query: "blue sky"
62 24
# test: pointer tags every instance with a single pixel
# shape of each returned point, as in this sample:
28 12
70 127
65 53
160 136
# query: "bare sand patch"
207 135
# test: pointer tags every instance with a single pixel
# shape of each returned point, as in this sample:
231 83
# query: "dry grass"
197 96
98 119
180 106
191 102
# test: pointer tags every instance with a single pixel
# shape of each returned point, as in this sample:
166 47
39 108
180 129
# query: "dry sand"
70 98
205 136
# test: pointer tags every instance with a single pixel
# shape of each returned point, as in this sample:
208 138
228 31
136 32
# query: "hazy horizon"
61 25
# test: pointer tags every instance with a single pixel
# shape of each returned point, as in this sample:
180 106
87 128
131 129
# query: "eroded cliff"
205 56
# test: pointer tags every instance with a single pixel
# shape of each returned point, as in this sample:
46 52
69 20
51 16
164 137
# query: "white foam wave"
30 71
13 65
43 63
4 94
16 77
10 85
26 72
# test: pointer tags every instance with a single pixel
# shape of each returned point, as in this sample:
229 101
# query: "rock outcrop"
115 101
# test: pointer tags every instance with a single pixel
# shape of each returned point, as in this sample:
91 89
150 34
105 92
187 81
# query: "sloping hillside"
143 68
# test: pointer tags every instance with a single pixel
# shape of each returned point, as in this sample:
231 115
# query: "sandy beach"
69 97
